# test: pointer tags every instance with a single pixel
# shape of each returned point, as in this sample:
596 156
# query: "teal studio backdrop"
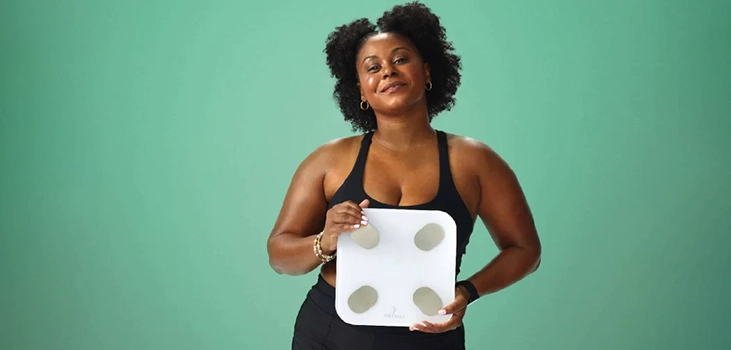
146 147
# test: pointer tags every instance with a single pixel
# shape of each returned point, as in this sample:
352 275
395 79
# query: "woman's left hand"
456 308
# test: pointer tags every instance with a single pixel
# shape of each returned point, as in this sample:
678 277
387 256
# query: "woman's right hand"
344 217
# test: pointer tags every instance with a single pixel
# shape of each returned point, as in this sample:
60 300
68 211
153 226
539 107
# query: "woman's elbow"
535 257
274 261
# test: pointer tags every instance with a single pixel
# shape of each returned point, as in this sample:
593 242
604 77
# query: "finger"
347 227
348 208
334 230
351 204
421 327
452 324
356 207
348 218
457 305
359 213
354 211
428 327
340 212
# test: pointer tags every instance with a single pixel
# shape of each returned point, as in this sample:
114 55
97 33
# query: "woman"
390 84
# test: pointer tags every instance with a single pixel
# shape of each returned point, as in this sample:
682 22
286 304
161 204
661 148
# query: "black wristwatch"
470 289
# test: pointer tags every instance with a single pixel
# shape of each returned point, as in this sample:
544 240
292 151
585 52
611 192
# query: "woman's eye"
400 60
372 68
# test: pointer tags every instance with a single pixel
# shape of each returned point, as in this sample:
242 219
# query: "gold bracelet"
324 258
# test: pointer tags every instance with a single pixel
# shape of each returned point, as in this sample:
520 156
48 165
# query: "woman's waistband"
323 295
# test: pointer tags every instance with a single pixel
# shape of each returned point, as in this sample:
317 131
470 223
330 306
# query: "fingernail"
442 312
364 223
423 325
356 226
411 329
365 218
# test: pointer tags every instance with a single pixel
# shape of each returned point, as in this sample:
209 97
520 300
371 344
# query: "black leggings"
318 326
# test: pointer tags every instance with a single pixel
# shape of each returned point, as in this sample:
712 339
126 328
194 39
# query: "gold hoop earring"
429 85
366 105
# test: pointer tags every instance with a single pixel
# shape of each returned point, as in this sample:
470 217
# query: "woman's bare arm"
301 217
505 212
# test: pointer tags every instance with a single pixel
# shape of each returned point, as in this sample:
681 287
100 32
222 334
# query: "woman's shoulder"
338 146
463 143
472 152
333 150
327 156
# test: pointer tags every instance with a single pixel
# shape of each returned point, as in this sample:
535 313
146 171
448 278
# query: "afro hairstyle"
412 20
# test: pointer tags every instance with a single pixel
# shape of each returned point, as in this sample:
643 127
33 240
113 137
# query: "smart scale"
398 270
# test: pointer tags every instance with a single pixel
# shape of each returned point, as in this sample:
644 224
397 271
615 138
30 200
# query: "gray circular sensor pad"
427 301
362 299
429 237
367 237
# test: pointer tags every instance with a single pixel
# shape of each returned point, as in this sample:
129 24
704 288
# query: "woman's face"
392 75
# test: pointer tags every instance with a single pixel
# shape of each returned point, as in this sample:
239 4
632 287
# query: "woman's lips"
393 88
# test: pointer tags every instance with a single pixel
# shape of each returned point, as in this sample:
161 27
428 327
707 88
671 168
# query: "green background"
146 147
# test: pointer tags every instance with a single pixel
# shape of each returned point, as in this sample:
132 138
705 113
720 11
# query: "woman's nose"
388 70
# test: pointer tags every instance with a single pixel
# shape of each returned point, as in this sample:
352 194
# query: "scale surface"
403 276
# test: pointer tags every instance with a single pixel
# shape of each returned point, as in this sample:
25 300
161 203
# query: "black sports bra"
447 198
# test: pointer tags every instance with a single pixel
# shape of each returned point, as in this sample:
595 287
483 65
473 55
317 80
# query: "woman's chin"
398 107
396 101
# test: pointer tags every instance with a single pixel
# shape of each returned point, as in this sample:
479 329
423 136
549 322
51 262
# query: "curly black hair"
412 20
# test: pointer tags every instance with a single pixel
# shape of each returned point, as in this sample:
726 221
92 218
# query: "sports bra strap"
445 174
359 166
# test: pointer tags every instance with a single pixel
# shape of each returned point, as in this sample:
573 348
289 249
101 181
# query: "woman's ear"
427 71
362 97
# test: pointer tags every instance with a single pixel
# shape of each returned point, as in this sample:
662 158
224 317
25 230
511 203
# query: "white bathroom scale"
398 270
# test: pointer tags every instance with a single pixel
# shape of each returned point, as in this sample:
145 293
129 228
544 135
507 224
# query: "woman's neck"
399 133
